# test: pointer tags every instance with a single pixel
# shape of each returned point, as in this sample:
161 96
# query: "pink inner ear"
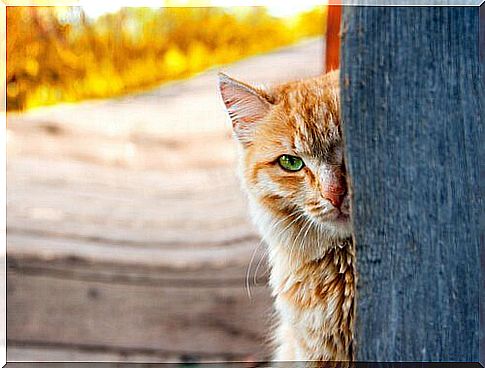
245 105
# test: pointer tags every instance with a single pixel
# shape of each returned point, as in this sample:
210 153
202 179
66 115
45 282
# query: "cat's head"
292 156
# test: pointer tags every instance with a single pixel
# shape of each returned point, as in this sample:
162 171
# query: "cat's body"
292 169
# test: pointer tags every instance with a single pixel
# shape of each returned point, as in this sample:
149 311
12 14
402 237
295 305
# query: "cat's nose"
335 191
336 199
333 184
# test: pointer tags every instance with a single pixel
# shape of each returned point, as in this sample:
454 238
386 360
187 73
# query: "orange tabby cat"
293 171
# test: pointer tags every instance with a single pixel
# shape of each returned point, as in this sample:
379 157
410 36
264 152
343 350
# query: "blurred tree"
58 54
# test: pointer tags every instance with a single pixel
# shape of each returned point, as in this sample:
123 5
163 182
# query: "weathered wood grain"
128 237
206 321
87 202
57 353
482 248
412 107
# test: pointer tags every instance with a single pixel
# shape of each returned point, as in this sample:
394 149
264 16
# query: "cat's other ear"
246 106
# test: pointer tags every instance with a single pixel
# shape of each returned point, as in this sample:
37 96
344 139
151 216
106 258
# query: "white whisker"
303 243
255 276
291 223
307 221
248 271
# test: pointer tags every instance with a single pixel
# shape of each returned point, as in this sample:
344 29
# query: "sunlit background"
67 54
128 236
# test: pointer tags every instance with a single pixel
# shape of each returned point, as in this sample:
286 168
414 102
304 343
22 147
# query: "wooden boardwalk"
128 237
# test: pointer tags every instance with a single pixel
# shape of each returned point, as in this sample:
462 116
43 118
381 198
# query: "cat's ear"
246 106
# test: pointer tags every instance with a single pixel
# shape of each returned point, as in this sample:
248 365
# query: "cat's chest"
324 284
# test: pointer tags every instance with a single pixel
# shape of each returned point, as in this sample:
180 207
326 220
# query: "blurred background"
128 237
67 54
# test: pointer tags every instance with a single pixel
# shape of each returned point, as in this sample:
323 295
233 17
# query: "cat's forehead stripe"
311 109
312 138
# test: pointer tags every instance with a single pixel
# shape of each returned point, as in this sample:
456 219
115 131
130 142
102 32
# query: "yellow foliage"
57 54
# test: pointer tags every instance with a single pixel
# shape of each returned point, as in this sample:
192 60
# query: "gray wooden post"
412 97
482 248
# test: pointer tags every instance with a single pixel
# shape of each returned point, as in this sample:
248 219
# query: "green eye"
291 163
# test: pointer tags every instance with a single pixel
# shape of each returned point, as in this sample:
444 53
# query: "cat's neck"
315 303
286 263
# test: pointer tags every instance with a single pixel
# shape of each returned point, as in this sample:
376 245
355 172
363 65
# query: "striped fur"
302 216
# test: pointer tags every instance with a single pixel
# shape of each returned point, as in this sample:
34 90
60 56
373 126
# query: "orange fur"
302 215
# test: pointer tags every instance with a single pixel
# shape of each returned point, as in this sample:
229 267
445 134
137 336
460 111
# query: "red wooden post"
332 49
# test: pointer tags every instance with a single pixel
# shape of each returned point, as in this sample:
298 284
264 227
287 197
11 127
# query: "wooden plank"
412 101
101 172
482 248
78 198
67 253
127 233
46 353
208 268
147 318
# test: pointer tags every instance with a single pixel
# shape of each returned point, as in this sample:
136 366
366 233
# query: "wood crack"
116 242
120 350
126 279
